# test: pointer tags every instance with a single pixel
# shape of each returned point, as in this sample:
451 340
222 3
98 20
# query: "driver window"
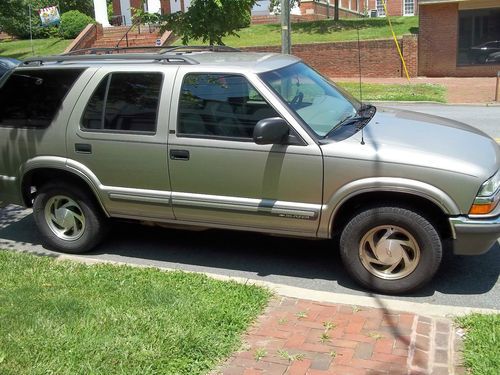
220 106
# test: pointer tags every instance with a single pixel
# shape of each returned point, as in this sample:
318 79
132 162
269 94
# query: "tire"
390 250
68 218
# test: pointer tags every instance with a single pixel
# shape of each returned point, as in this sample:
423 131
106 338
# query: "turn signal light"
481 209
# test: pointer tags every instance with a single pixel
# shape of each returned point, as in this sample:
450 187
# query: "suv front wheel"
390 249
68 218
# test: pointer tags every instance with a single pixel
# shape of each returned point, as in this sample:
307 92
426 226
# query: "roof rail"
154 57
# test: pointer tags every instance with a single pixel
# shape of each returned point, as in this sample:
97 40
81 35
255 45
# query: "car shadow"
256 255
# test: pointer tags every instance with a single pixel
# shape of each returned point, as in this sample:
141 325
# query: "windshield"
317 101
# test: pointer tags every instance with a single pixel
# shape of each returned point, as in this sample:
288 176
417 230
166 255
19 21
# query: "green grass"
397 92
68 318
322 31
21 49
481 343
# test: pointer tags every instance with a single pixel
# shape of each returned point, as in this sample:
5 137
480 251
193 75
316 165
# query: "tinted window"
124 102
32 98
220 105
478 37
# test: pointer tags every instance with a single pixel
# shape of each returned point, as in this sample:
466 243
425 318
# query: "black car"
482 51
6 64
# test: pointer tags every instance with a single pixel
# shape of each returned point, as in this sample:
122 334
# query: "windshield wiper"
349 121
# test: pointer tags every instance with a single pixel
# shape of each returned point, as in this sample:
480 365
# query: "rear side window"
124 102
32 98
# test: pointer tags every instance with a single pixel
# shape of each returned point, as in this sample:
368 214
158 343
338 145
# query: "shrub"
73 22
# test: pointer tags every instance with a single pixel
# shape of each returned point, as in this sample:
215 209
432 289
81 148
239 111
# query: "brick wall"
437 45
379 58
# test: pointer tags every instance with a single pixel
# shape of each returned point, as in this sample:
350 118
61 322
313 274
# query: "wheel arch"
38 175
428 207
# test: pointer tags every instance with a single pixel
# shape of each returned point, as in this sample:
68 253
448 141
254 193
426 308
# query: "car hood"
412 138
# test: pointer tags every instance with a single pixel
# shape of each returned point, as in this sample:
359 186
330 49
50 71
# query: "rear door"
119 133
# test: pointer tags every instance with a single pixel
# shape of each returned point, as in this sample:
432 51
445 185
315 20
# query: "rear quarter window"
31 98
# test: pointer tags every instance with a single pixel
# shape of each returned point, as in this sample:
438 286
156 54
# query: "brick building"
304 9
459 38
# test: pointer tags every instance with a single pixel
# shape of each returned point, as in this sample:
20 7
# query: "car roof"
255 62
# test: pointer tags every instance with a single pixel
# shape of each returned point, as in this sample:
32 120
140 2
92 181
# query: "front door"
220 177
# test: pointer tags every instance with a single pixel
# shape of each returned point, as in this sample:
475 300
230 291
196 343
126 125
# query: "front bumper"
474 236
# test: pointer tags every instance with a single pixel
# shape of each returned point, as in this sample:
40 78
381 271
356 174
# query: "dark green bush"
73 22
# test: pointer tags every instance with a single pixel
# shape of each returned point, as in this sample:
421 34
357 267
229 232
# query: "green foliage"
275 5
210 20
73 22
14 15
67 318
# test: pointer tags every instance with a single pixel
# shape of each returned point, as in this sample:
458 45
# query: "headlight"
488 197
491 186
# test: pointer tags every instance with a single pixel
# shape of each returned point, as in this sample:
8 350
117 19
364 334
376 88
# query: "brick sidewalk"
303 337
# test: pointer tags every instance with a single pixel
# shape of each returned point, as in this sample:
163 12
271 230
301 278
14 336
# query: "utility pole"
286 40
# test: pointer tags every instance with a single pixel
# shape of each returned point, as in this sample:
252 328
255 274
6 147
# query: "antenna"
360 86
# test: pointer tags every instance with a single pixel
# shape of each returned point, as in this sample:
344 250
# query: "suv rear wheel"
68 218
390 249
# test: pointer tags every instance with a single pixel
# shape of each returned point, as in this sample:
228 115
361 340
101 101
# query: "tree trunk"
336 14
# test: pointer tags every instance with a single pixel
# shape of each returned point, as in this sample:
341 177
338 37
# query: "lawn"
482 340
69 318
397 92
21 49
322 31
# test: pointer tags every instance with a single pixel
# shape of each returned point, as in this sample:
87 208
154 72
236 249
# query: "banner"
50 16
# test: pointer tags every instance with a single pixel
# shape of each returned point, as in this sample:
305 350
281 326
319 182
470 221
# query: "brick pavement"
297 336
459 89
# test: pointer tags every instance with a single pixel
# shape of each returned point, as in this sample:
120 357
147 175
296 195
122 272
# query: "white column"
101 12
154 6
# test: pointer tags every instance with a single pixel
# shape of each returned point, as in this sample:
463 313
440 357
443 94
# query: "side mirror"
270 131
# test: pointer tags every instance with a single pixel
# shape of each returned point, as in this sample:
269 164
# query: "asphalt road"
461 281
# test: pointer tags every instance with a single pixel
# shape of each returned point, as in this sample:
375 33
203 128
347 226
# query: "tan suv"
245 141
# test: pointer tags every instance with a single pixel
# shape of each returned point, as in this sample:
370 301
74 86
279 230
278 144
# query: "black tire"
84 233
394 233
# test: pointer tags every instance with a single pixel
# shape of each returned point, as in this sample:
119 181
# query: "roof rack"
154 57
170 54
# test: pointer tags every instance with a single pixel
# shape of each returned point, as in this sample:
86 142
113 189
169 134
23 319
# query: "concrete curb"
317 296
490 104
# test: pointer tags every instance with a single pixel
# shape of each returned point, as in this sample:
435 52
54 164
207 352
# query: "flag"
50 16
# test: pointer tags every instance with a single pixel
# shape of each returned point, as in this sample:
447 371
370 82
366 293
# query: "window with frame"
479 37
409 7
124 102
220 106
31 98
380 8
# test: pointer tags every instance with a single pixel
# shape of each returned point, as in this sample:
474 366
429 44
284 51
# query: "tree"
275 5
14 15
210 20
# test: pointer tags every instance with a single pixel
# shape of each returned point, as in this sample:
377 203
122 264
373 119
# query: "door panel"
130 166
227 179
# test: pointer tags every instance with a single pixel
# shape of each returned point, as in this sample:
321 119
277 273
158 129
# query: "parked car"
493 58
6 64
482 51
245 141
